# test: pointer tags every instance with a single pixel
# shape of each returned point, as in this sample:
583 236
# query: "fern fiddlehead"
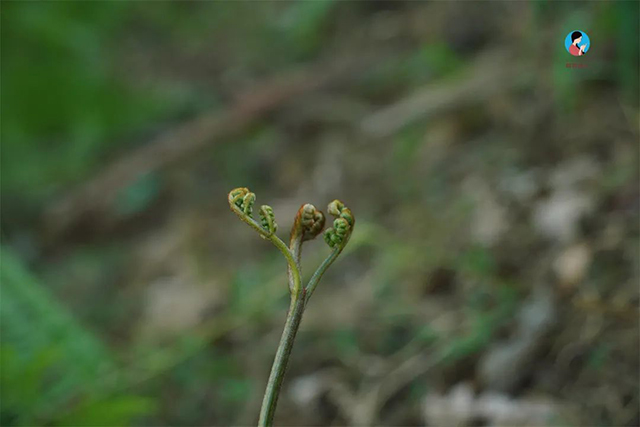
312 221
241 202
308 224
342 225
268 219
336 237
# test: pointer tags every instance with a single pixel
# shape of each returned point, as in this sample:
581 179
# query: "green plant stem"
295 247
294 272
281 360
315 279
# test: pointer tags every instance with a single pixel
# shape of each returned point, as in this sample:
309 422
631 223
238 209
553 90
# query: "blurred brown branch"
94 199
491 73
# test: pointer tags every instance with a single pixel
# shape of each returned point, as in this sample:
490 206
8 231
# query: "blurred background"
492 278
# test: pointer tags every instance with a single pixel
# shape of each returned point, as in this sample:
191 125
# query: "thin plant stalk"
308 224
281 360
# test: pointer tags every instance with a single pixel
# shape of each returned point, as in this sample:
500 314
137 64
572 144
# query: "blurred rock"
319 397
490 218
572 265
558 216
306 390
461 407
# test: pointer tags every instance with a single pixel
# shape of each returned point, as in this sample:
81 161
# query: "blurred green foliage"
52 368
302 26
64 105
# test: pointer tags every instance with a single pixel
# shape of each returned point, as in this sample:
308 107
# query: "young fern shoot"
308 224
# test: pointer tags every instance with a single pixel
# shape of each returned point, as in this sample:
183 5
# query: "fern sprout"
308 224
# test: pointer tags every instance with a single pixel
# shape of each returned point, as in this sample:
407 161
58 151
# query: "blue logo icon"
577 43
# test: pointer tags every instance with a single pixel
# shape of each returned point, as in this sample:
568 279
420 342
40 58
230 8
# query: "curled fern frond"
241 202
312 221
268 219
236 196
339 234
308 223
243 199
335 208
